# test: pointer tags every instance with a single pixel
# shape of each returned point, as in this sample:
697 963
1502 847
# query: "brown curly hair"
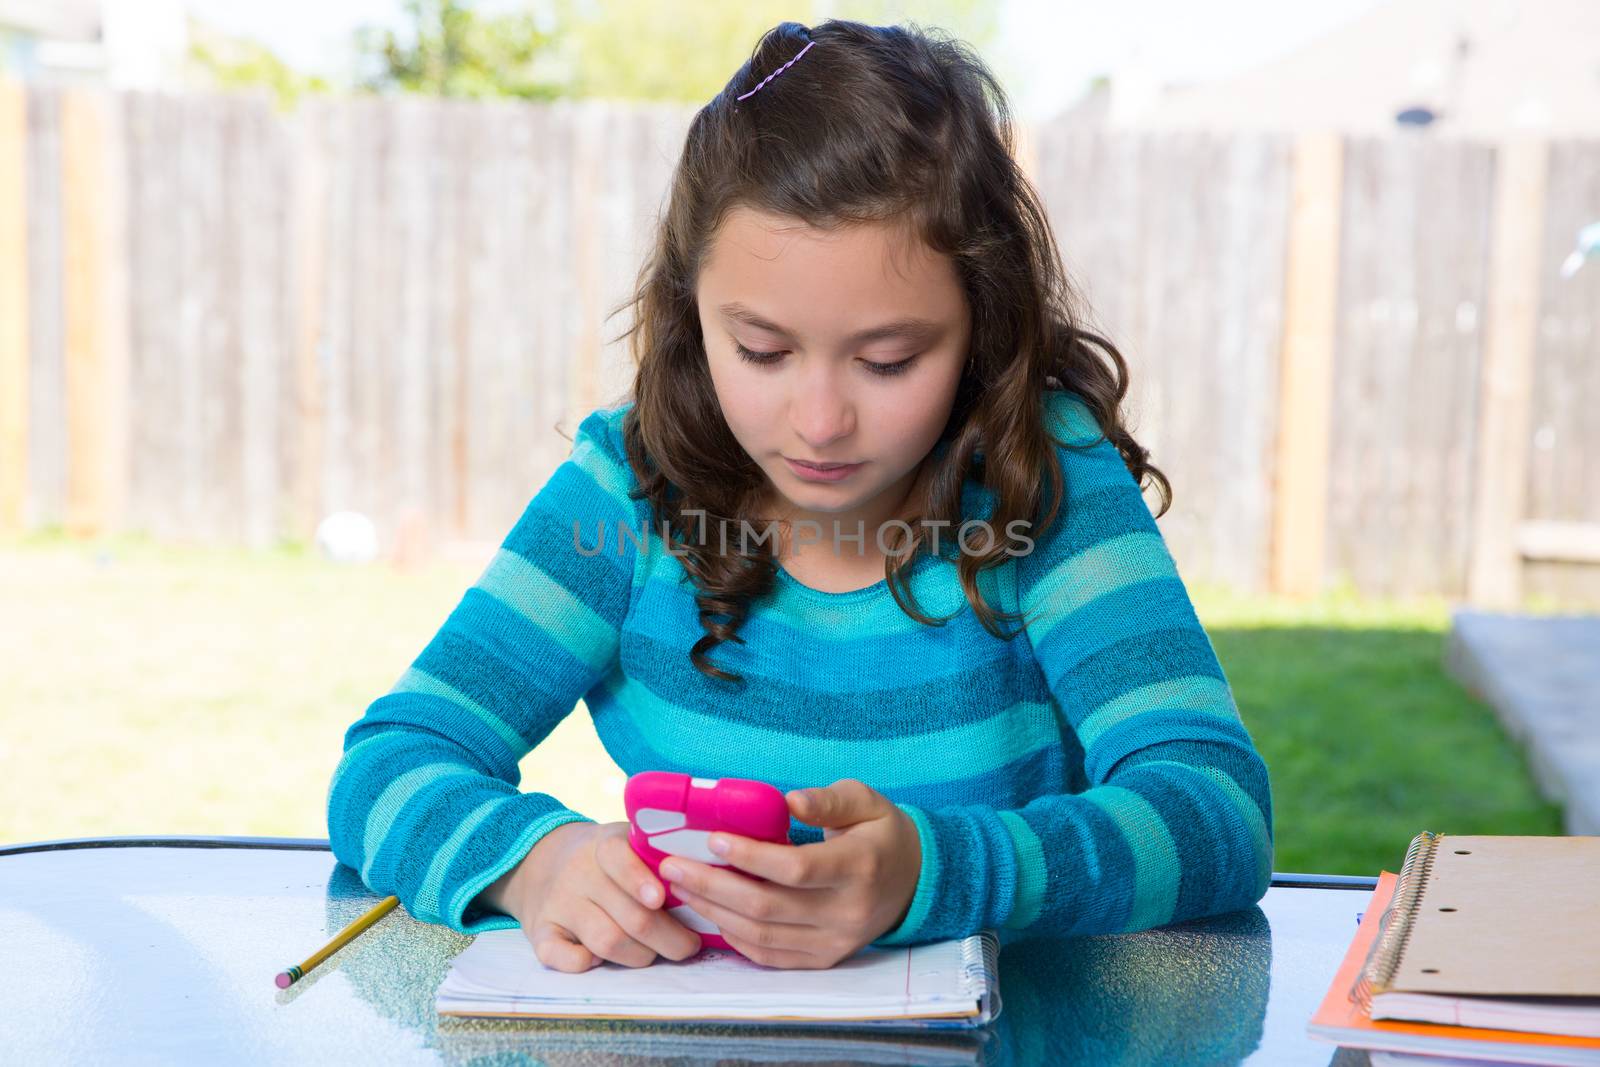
915 130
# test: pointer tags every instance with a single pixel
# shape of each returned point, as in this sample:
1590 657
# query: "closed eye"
767 359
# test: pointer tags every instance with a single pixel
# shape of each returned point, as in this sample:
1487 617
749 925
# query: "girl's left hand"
822 901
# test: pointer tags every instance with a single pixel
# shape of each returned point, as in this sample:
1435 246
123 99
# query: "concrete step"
1541 674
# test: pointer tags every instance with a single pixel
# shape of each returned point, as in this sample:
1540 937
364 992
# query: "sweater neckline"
868 592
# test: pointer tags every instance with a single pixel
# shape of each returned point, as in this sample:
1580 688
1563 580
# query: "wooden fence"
1355 357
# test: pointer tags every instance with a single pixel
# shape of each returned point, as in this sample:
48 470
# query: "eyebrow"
909 327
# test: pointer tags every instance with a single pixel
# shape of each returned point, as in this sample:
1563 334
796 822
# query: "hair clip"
781 69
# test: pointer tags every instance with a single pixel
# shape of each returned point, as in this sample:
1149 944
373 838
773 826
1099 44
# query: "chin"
820 496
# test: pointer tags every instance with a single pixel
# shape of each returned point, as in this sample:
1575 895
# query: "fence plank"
157 309
1304 416
13 308
47 422
115 310
413 231
216 499
587 174
493 198
1495 579
1437 427
455 322
555 348
306 266
258 287
340 307
442 292
83 302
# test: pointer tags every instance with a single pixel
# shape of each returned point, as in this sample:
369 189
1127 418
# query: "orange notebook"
1341 1019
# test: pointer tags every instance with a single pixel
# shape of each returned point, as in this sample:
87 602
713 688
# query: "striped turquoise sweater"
1090 776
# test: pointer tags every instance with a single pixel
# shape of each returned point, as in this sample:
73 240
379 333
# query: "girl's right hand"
583 895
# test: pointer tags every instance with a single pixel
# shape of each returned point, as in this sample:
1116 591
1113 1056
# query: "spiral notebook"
949 984
1482 946
1491 931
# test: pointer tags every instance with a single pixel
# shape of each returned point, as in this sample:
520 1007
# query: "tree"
648 50
240 63
617 49
451 49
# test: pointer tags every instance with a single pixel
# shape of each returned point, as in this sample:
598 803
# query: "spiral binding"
980 970
1394 926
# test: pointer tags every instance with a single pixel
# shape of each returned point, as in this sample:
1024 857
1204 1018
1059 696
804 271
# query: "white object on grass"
348 537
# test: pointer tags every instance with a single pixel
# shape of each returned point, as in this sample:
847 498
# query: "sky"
1045 56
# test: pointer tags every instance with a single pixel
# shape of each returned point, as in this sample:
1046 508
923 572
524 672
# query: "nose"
821 411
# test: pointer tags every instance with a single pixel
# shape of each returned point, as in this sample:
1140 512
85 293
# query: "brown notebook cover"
1494 915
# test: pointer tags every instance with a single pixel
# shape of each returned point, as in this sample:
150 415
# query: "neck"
898 501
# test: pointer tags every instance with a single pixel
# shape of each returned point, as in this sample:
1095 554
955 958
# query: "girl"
866 431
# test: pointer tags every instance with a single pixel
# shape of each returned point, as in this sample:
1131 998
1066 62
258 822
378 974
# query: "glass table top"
166 953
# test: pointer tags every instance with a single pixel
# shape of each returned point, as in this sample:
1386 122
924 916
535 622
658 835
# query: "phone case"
671 814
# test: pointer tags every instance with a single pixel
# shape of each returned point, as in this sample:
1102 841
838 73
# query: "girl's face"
858 336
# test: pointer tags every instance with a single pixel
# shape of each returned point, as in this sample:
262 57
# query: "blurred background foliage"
564 49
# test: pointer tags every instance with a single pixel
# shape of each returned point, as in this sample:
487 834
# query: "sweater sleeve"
1176 820
424 802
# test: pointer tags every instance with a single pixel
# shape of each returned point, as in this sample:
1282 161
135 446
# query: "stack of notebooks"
944 985
1482 948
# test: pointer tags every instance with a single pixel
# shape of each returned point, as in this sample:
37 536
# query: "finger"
625 868
757 900
787 959
559 949
809 866
844 803
602 936
657 930
766 935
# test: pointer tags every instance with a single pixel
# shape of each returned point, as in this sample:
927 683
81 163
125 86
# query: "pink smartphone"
671 814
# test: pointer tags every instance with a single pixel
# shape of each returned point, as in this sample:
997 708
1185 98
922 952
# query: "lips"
832 473
823 466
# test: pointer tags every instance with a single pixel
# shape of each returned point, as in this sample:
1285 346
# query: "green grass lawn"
1367 739
154 690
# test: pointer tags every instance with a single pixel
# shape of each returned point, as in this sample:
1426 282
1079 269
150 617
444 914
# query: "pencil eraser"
283 980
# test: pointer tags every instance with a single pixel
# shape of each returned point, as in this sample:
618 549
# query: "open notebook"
939 985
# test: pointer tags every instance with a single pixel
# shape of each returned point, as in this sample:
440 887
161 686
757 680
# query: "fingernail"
650 895
719 845
671 872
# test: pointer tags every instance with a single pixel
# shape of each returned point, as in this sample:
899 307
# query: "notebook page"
1577 1016
501 965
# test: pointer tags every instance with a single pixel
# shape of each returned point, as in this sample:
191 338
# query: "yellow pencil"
288 978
